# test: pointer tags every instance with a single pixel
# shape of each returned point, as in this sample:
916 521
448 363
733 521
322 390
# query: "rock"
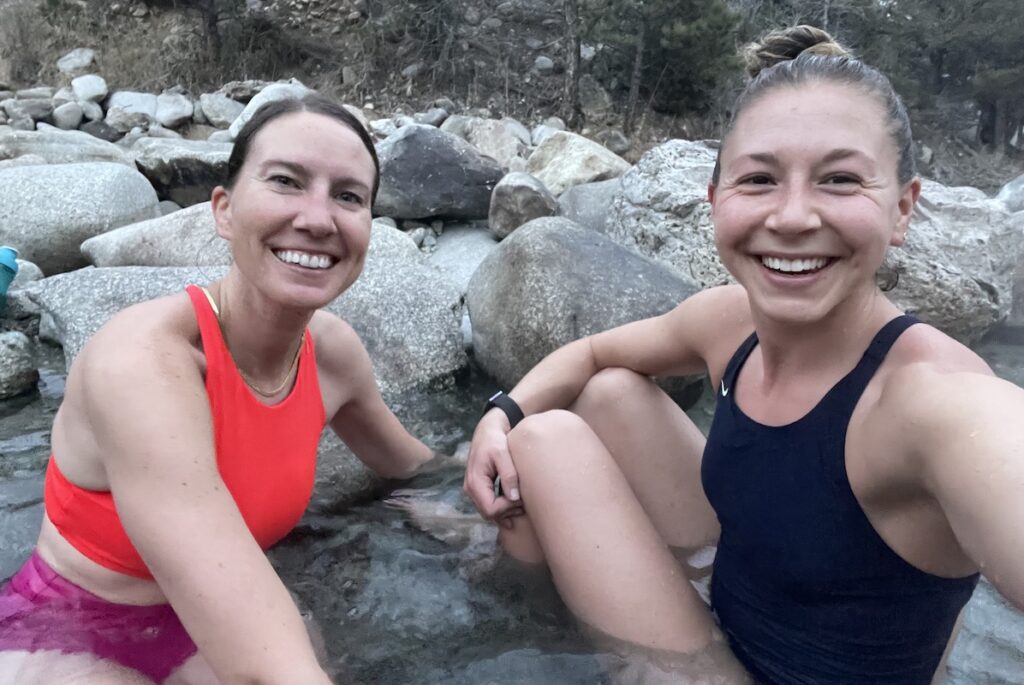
17 118
21 513
37 109
588 204
432 117
63 96
1012 194
48 211
543 64
158 131
382 128
62 147
349 76
990 647
243 91
413 70
103 131
460 250
18 373
24 160
447 104
615 140
183 238
955 271
426 172
541 133
89 88
76 61
173 109
220 110
185 171
91 110
1016 318
133 102
595 101
220 136
123 121
552 282
275 91
37 93
517 199
501 140
27 272
68 116
405 312
566 159
168 207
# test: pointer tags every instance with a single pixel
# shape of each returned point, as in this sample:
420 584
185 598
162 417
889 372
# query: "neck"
790 350
263 336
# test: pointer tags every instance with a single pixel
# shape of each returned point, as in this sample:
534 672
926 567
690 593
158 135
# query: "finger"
480 489
508 475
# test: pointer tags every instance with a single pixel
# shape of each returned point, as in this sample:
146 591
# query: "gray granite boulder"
76 61
502 140
89 88
517 199
18 373
1012 194
588 204
426 172
37 109
406 313
220 110
275 91
68 116
46 212
27 272
21 513
184 238
552 282
62 147
990 647
459 251
133 102
185 171
173 109
566 159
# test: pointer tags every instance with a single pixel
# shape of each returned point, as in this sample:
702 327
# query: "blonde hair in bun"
782 45
800 56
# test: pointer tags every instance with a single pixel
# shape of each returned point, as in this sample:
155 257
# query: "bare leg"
658 450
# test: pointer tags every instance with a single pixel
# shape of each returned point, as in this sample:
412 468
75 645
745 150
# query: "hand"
488 458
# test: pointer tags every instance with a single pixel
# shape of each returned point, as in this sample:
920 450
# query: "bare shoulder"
719 320
339 351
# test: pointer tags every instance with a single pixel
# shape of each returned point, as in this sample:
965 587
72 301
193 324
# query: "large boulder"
173 109
76 61
517 199
1012 194
566 159
588 204
990 647
220 110
18 372
292 89
187 237
46 212
89 88
955 271
502 140
552 282
62 147
427 172
21 513
406 313
185 171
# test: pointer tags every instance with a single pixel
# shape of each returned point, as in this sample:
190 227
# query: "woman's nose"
315 213
795 210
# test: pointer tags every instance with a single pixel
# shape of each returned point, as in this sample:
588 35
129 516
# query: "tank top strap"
209 327
738 359
853 385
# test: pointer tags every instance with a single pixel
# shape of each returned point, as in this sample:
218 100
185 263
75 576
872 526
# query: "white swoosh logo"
725 390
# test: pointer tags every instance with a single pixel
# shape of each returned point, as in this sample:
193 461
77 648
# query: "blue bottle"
8 270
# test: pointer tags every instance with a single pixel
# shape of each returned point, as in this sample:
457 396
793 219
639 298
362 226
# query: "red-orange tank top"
266 456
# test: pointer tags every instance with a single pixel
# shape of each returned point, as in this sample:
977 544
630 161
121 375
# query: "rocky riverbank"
495 242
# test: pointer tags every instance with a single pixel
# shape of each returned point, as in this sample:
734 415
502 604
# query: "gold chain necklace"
217 308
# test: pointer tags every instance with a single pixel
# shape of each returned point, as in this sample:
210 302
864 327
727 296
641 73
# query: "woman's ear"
905 209
220 204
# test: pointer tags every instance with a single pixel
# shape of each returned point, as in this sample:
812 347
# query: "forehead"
812 118
310 140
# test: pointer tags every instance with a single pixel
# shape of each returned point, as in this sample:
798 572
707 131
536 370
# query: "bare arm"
363 421
675 343
971 430
147 406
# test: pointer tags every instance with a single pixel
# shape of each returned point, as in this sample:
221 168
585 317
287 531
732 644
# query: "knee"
544 432
608 387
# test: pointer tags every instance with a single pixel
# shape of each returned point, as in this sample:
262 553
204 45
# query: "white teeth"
310 261
794 265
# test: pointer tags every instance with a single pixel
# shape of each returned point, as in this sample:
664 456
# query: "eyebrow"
300 170
832 156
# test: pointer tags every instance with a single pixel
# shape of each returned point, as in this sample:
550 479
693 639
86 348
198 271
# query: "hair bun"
782 45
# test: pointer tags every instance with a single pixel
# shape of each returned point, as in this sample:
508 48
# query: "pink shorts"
41 610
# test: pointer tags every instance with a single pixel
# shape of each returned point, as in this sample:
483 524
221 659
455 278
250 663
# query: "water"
407 590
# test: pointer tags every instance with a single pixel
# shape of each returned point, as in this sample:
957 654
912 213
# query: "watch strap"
507 405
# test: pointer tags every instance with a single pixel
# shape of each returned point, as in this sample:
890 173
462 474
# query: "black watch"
507 405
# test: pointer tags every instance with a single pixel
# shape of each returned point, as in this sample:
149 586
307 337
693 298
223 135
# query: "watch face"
495 396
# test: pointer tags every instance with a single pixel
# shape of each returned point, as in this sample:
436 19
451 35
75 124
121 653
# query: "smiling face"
808 200
298 215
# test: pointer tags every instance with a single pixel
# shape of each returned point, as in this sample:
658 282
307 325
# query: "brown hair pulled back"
314 103
800 55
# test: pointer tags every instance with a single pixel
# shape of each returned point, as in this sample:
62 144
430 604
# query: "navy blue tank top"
804 587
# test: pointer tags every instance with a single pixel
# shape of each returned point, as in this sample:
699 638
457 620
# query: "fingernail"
515 494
